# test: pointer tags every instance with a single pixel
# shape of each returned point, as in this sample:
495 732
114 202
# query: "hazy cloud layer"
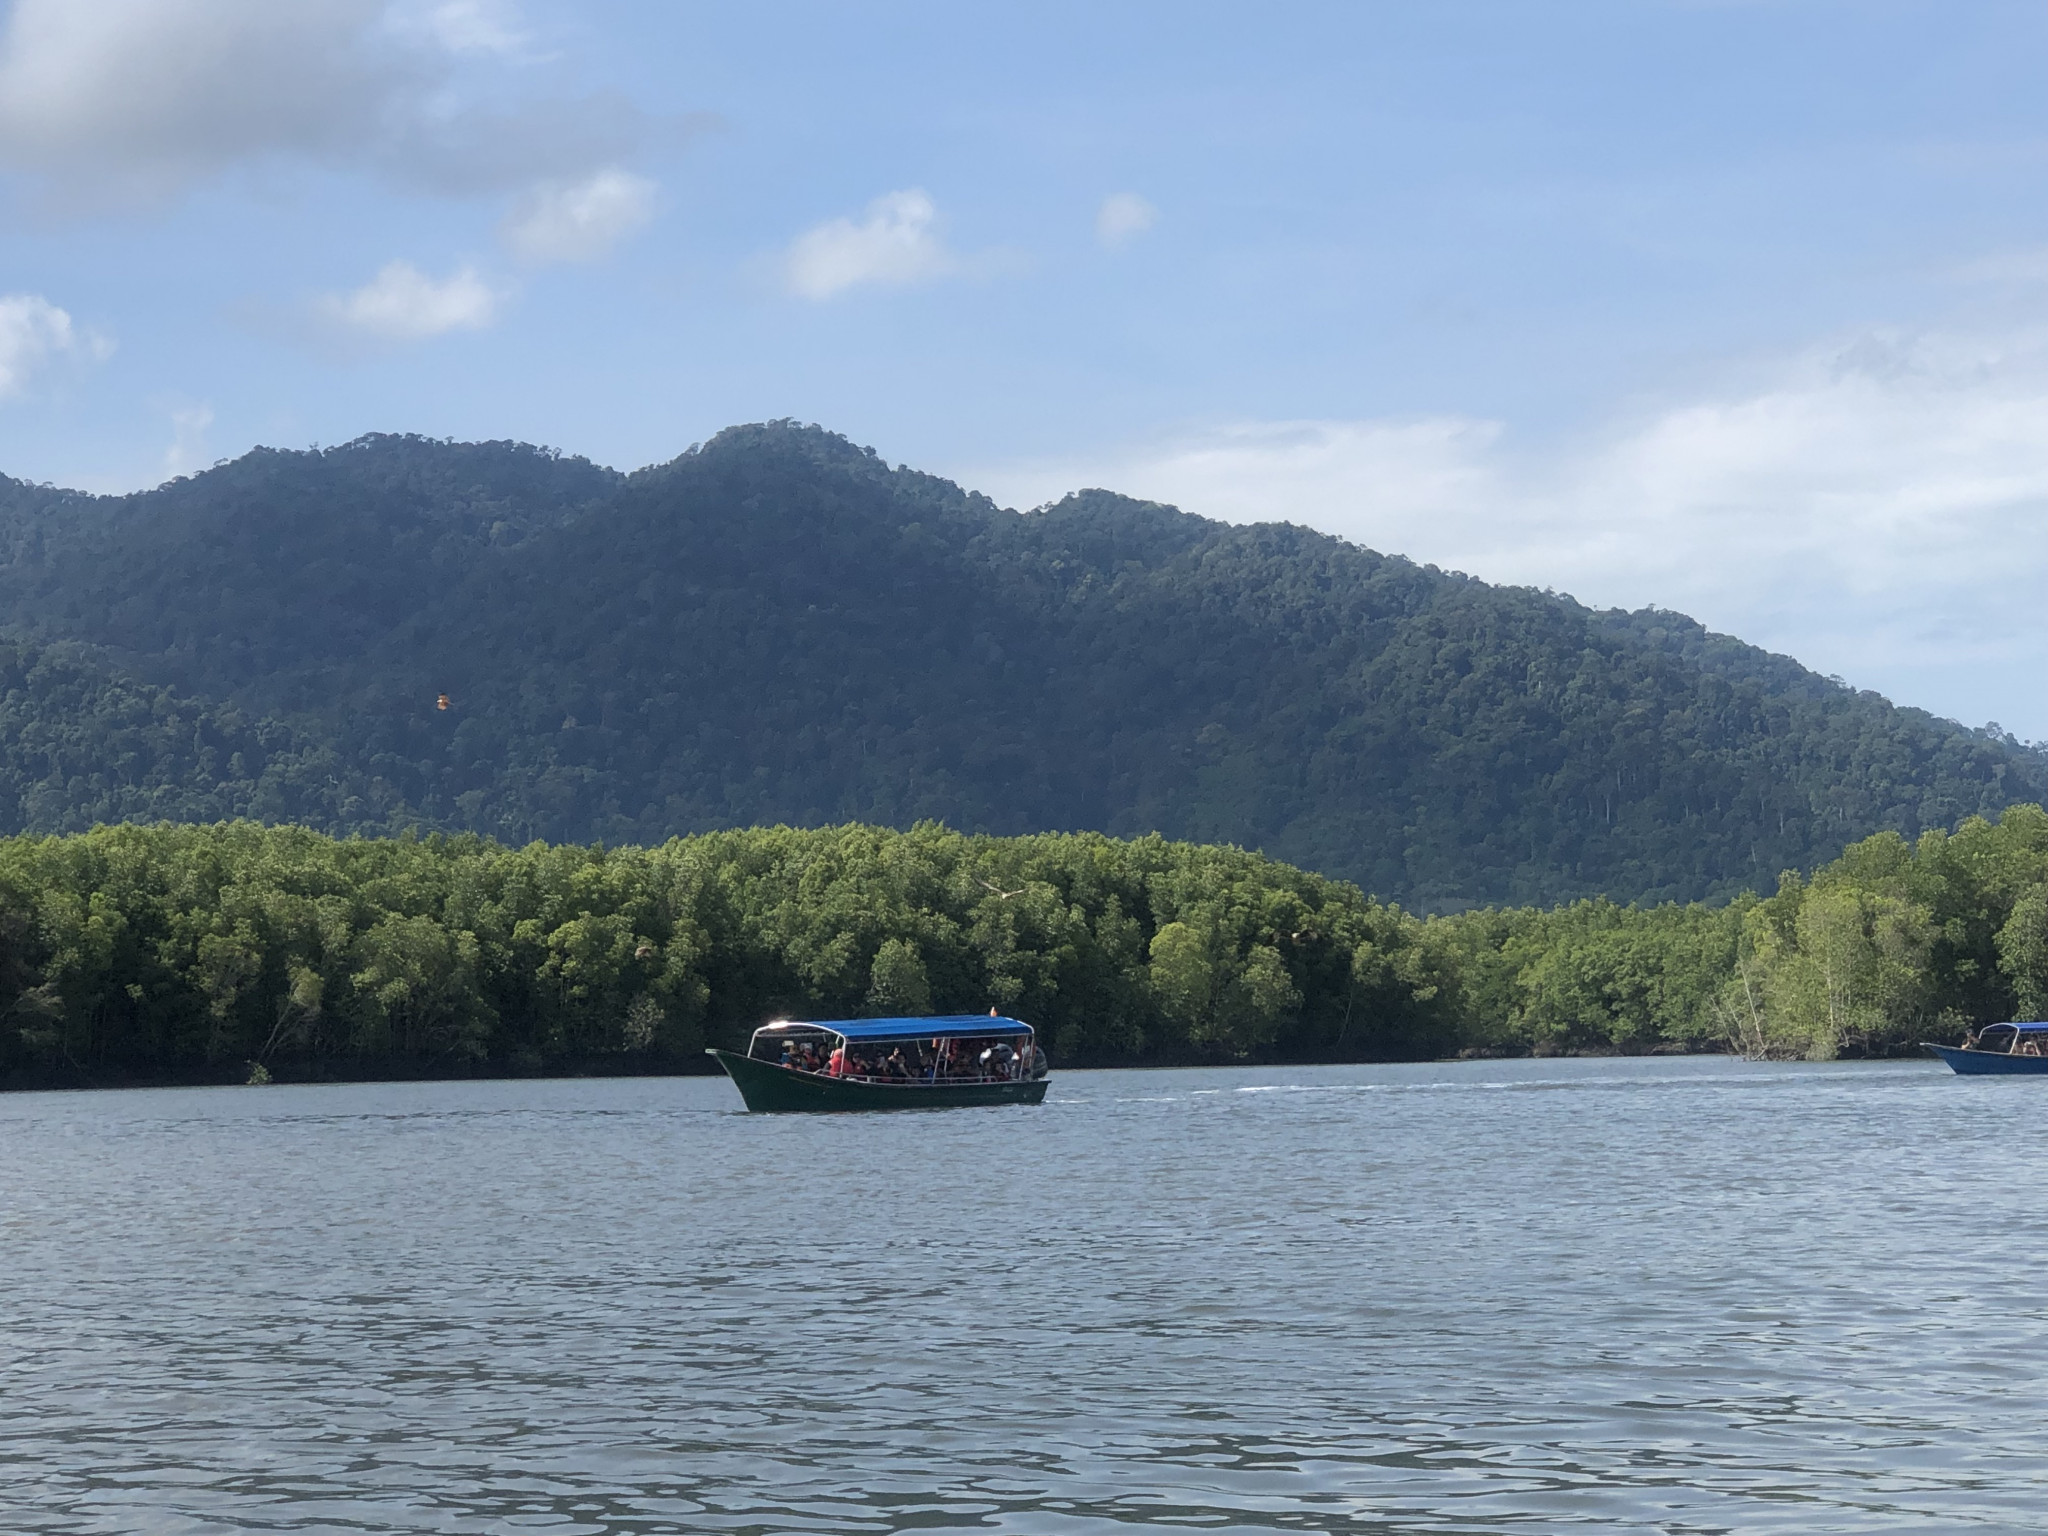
118 102
893 244
189 421
579 220
37 337
1123 217
1878 509
465 26
402 303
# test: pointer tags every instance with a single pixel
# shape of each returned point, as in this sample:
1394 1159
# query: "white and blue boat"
920 1063
2000 1049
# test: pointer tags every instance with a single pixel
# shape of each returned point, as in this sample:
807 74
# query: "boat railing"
817 1049
923 1082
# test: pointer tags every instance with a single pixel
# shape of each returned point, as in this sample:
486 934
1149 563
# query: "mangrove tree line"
201 953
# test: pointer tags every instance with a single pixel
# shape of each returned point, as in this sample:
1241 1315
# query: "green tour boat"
942 1063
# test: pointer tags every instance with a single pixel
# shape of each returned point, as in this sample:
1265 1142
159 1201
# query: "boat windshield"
2014 1039
794 1045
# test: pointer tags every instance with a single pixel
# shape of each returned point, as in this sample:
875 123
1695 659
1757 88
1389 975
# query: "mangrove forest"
236 950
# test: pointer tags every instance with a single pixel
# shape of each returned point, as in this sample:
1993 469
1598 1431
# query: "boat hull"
769 1088
1990 1063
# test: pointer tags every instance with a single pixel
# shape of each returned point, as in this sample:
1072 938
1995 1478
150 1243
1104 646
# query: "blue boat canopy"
2025 1029
952 1026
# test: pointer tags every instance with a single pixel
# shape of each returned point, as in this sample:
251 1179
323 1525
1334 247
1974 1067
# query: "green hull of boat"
769 1088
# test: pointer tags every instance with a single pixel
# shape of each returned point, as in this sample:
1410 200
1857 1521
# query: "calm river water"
1663 1295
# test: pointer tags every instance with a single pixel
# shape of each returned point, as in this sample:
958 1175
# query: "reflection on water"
1674 1296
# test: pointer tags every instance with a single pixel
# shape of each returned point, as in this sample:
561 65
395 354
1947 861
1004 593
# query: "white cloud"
466 26
403 304
188 438
36 336
1877 508
896 243
580 220
107 102
1123 217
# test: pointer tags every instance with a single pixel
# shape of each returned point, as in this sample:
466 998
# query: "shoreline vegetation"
240 952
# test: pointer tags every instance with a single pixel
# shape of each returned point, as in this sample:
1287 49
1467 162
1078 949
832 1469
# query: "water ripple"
1669 1296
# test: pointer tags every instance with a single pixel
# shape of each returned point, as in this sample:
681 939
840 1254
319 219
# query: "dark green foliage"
168 953
781 628
2023 954
1891 944
1591 976
81 744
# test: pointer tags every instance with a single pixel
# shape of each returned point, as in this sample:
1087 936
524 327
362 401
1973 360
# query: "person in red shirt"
835 1064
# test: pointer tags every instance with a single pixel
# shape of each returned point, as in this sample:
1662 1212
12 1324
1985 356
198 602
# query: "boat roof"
951 1026
2025 1029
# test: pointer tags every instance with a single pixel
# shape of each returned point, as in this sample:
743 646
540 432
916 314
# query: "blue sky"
1734 308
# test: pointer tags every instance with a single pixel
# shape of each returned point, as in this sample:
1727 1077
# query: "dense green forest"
202 953
779 627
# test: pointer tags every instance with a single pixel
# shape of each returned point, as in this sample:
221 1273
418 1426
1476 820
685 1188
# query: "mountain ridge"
778 626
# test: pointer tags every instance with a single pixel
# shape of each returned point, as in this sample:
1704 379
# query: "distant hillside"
778 627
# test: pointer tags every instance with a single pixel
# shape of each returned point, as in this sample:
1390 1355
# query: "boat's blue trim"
1991 1063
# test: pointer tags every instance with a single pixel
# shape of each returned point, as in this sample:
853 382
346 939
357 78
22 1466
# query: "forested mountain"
780 627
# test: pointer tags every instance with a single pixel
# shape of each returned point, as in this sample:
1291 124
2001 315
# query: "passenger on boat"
835 1064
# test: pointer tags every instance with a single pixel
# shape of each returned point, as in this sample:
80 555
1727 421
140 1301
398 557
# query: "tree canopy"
201 953
160 953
